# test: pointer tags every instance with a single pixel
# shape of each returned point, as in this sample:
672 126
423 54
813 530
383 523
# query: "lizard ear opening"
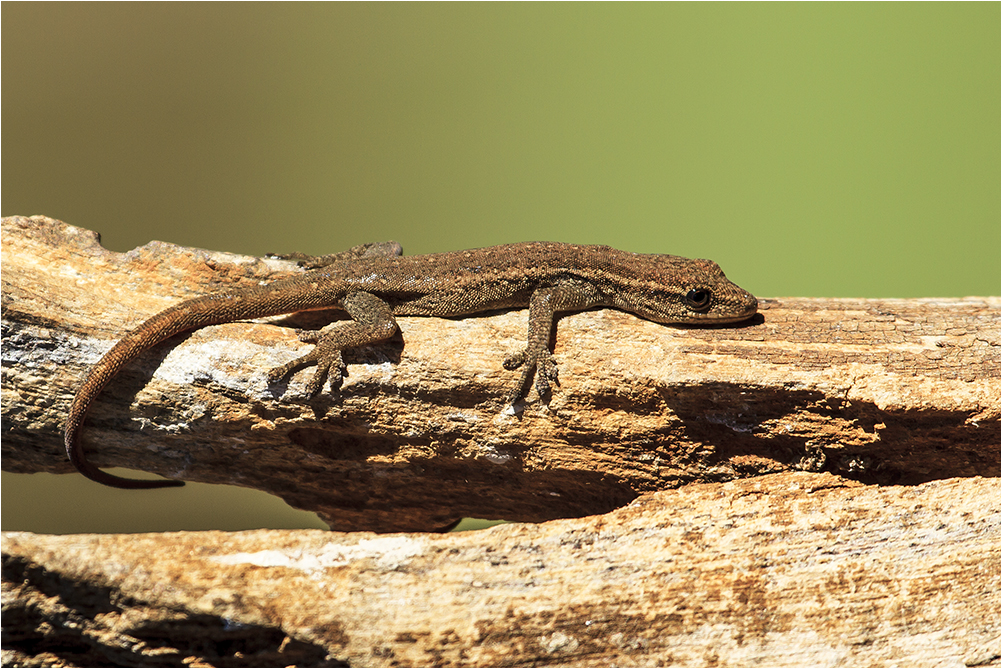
698 299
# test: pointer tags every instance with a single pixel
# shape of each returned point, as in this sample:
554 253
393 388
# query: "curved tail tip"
137 484
104 478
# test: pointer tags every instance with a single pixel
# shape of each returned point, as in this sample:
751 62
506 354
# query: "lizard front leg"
372 321
536 359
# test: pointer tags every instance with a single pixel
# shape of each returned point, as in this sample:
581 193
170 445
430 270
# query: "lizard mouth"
711 318
733 319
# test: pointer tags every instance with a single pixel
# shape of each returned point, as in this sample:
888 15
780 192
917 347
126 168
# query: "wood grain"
791 569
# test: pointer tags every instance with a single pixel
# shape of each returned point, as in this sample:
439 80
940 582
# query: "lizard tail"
185 316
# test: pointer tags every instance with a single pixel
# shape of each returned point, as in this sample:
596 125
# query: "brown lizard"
374 283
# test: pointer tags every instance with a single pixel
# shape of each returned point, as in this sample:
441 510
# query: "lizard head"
679 290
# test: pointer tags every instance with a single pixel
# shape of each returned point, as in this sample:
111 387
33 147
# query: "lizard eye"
698 299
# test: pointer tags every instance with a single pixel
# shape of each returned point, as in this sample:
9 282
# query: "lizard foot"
372 322
538 364
328 359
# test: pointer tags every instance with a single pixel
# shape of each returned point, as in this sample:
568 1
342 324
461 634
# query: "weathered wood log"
791 569
880 391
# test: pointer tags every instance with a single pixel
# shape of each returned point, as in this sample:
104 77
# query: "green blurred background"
811 149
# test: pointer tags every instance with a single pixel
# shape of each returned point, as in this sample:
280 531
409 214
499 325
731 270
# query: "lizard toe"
546 374
278 373
524 383
309 336
330 366
514 361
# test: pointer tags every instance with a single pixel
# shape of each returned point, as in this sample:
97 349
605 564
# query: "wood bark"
817 487
791 569
877 391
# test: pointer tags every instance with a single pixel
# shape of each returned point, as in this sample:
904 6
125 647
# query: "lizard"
373 283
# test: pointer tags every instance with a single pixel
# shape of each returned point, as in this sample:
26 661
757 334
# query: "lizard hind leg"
372 321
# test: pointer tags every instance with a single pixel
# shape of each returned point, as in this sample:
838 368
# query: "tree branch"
880 391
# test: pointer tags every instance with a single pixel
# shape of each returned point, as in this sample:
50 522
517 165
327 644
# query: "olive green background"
810 149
